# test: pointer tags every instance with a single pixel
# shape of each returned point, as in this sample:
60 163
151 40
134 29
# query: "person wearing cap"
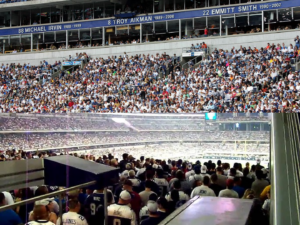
121 213
72 215
204 171
154 216
8 217
228 192
144 212
204 189
136 201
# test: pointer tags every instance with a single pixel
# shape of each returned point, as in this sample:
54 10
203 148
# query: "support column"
67 39
31 42
179 29
103 36
263 22
141 34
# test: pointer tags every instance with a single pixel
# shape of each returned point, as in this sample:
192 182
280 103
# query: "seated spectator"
177 189
144 212
204 189
228 192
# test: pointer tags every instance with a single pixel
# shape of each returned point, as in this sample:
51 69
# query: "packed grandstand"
243 80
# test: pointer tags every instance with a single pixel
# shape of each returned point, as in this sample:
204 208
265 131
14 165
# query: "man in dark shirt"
123 162
214 186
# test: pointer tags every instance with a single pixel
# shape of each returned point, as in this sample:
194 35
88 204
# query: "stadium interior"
149 112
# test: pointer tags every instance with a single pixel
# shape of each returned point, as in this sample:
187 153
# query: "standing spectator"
41 214
221 177
136 201
8 217
121 213
204 189
237 186
229 193
214 184
147 192
74 207
259 184
154 216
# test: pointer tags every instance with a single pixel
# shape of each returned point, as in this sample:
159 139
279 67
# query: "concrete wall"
225 42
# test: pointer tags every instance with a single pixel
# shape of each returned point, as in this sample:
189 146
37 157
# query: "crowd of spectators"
147 191
237 80
33 141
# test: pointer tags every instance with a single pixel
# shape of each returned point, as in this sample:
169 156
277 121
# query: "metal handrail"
55 193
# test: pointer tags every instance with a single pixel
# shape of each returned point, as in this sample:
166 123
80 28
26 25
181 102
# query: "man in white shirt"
229 193
72 217
203 190
121 213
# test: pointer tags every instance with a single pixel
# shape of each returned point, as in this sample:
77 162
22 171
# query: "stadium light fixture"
119 120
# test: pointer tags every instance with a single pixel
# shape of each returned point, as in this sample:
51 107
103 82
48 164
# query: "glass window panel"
15 18
99 10
179 4
270 16
147 7
110 36
38 40
85 35
25 17
67 13
255 22
97 36
213 22
147 32
160 27
244 1
190 4
61 37
109 9
228 21
55 15
77 12
97 33
200 4
213 25
213 3
88 11
45 15
35 16
255 19
4 45
285 15
173 26
296 13
25 42
73 35
226 2
15 42
49 37
242 20
134 32
159 5
186 28
4 19
122 31
200 23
